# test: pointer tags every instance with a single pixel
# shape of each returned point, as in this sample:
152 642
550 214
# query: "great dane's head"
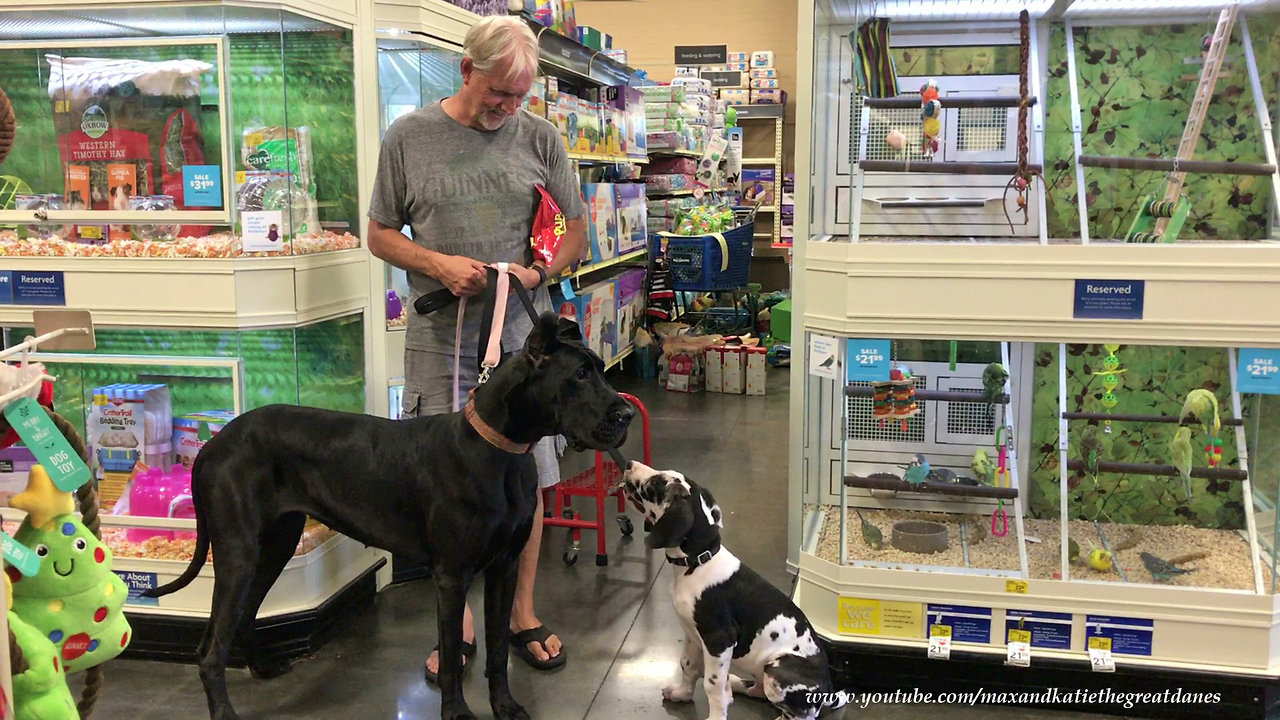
677 511
557 387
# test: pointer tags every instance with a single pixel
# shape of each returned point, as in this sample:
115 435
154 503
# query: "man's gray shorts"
428 390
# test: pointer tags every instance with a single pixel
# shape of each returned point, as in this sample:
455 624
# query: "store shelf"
760 161
616 159
574 58
676 153
761 209
594 267
617 360
677 193
760 112
241 293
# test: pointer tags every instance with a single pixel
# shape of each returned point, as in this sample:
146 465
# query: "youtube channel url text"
1048 696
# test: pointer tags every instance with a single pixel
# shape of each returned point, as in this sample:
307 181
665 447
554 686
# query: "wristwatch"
542 274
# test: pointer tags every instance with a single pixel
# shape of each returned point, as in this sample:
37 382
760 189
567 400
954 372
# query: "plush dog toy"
731 616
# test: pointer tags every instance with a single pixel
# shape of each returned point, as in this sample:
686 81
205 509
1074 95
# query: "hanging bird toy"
881 402
904 395
930 118
1110 374
1020 183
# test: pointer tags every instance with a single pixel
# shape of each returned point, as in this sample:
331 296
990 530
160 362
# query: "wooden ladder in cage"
1200 105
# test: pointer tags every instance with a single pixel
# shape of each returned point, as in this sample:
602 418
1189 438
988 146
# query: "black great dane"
454 491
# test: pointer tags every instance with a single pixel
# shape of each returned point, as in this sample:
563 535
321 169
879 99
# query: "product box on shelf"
766 72
755 370
617 54
192 431
631 303
602 220
595 310
758 186
632 209
536 101
762 59
662 93
129 423
738 57
568 19
772 96
594 38
637 144
764 83
788 195
685 373
736 96
567 119
549 13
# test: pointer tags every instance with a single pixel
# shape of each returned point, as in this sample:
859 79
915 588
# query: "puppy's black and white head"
678 513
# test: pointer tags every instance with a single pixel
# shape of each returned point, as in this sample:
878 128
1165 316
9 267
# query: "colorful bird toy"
930 117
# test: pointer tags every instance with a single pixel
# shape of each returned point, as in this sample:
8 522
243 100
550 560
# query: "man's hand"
463 276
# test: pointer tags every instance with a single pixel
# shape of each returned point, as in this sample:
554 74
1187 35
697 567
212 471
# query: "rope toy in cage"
1020 183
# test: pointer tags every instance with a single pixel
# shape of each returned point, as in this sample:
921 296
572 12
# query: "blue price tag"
566 289
868 360
202 186
1258 371
19 555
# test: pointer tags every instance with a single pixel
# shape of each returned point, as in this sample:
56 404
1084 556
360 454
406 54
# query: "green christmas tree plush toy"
41 692
75 600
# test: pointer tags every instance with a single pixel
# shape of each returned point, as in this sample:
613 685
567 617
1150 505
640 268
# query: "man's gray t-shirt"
471 193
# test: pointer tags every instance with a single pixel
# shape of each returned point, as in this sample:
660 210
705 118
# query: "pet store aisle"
617 622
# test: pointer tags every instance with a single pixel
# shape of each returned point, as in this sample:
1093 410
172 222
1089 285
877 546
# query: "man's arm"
461 275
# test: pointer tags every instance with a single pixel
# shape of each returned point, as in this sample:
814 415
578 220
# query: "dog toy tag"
939 642
67 471
19 556
1100 658
1018 653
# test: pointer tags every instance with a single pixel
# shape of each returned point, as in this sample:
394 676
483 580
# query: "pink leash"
493 349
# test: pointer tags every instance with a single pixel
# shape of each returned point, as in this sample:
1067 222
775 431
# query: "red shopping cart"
594 483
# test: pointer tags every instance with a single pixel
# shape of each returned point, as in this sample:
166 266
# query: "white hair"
502 39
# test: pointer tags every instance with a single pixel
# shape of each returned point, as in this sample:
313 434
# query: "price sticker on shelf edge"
46 442
202 186
868 360
1019 648
1258 371
939 642
1100 658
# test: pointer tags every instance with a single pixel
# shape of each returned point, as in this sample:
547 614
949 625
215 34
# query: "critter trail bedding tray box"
127 423
192 431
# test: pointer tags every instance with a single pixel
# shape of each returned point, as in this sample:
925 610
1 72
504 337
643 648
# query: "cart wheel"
602 560
625 523
570 557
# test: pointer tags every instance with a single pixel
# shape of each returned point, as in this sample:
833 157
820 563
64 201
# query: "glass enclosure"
931 140
410 75
189 132
1103 462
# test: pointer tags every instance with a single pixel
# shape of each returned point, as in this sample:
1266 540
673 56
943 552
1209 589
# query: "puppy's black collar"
695 561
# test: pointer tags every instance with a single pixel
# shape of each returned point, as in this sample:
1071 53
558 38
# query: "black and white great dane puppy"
732 617
455 491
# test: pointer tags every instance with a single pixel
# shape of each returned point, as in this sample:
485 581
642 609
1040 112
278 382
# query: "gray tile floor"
617 623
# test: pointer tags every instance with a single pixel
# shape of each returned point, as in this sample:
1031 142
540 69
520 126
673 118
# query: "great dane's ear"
569 331
543 340
676 520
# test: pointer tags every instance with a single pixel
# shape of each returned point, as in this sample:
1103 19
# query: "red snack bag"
548 227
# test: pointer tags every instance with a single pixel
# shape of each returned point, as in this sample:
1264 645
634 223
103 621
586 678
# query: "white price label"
939 647
1019 654
1101 660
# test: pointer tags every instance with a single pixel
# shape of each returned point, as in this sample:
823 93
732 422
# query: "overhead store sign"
702 54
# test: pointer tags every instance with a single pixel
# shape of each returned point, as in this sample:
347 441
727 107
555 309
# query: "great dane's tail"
197 560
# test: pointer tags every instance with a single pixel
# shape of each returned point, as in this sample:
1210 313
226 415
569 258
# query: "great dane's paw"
268 669
509 710
463 714
676 693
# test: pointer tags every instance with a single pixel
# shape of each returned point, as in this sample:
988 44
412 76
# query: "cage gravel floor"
621 635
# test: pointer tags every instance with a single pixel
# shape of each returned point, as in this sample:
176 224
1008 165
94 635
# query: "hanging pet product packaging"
280 181
709 165
122 112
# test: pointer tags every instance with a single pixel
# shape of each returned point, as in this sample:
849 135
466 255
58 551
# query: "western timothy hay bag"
130 125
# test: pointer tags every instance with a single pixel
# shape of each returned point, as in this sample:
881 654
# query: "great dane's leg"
746 686
499 592
234 540
451 598
716 682
278 541
690 669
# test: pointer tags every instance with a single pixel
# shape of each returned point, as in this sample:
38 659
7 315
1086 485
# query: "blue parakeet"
917 471
1180 450
1160 569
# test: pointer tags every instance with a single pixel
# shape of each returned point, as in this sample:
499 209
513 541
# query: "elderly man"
461 173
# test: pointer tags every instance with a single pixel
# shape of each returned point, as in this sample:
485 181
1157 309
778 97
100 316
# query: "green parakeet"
1073 551
1161 570
993 379
75 599
1202 406
871 534
983 469
41 692
1091 449
1180 450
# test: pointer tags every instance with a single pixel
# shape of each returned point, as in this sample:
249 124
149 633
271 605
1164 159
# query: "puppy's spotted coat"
731 616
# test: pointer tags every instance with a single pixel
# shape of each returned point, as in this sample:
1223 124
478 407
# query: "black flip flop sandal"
468 652
521 640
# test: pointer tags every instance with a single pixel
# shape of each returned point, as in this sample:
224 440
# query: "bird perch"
1161 470
886 481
